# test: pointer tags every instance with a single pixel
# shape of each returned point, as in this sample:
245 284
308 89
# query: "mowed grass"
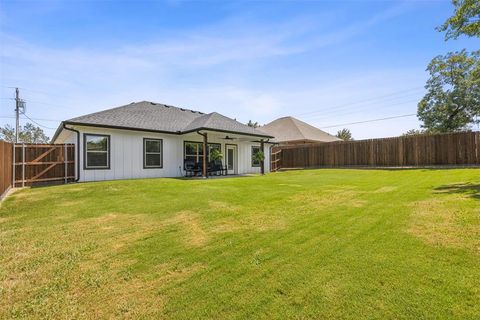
339 244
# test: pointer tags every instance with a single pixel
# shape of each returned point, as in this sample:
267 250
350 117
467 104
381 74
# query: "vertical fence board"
6 165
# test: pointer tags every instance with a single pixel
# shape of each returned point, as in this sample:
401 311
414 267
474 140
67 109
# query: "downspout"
78 150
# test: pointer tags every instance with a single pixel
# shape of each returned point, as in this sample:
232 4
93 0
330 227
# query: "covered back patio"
227 153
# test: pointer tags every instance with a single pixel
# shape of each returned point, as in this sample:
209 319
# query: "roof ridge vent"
153 103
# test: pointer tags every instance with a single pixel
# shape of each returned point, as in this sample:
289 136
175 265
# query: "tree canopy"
452 101
344 134
252 124
414 132
27 134
465 20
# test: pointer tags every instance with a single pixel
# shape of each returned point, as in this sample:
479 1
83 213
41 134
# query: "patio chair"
190 168
214 168
219 168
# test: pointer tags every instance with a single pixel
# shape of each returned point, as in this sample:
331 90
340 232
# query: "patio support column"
205 150
262 164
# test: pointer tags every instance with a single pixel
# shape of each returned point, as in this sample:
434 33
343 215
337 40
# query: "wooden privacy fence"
37 164
450 149
6 159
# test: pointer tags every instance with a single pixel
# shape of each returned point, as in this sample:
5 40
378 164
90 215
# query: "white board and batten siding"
126 153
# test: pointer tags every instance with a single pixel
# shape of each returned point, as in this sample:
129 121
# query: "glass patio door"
231 158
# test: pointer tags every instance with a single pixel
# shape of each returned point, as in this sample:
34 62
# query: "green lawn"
349 244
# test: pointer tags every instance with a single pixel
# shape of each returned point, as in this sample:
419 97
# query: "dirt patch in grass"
444 221
190 223
4 220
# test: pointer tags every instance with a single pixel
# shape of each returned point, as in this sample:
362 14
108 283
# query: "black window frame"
254 165
85 151
145 153
200 142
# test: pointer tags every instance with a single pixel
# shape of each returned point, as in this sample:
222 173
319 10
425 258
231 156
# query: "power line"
38 119
41 92
372 120
379 98
57 106
41 125
361 109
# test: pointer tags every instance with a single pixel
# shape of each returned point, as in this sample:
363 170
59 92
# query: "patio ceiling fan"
229 138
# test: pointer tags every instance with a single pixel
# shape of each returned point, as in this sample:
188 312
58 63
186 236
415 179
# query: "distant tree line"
27 134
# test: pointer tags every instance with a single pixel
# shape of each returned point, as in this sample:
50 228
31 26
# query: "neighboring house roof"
289 129
156 117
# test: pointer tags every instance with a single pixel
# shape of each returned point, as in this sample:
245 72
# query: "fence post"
65 161
13 165
23 165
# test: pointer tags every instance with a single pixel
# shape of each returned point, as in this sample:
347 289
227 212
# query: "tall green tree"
344 134
465 20
452 101
27 134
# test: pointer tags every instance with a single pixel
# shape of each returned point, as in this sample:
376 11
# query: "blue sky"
325 62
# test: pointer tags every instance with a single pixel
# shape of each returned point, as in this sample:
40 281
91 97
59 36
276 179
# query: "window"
193 151
255 150
96 151
152 153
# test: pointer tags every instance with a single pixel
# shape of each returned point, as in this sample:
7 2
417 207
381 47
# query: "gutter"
78 149
228 131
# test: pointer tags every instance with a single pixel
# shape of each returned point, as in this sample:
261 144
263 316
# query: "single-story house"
147 140
291 131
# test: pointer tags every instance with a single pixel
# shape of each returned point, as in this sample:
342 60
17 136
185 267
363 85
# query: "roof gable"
216 121
291 129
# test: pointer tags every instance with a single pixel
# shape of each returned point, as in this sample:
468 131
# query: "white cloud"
202 69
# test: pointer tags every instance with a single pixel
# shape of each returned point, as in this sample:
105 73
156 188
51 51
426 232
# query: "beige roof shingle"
288 129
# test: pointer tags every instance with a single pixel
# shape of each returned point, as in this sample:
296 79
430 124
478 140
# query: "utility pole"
19 107
17 113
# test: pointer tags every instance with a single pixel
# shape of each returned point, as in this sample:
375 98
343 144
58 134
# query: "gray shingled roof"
290 129
219 122
158 117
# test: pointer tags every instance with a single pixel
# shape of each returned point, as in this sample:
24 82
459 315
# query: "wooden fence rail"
6 166
451 149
